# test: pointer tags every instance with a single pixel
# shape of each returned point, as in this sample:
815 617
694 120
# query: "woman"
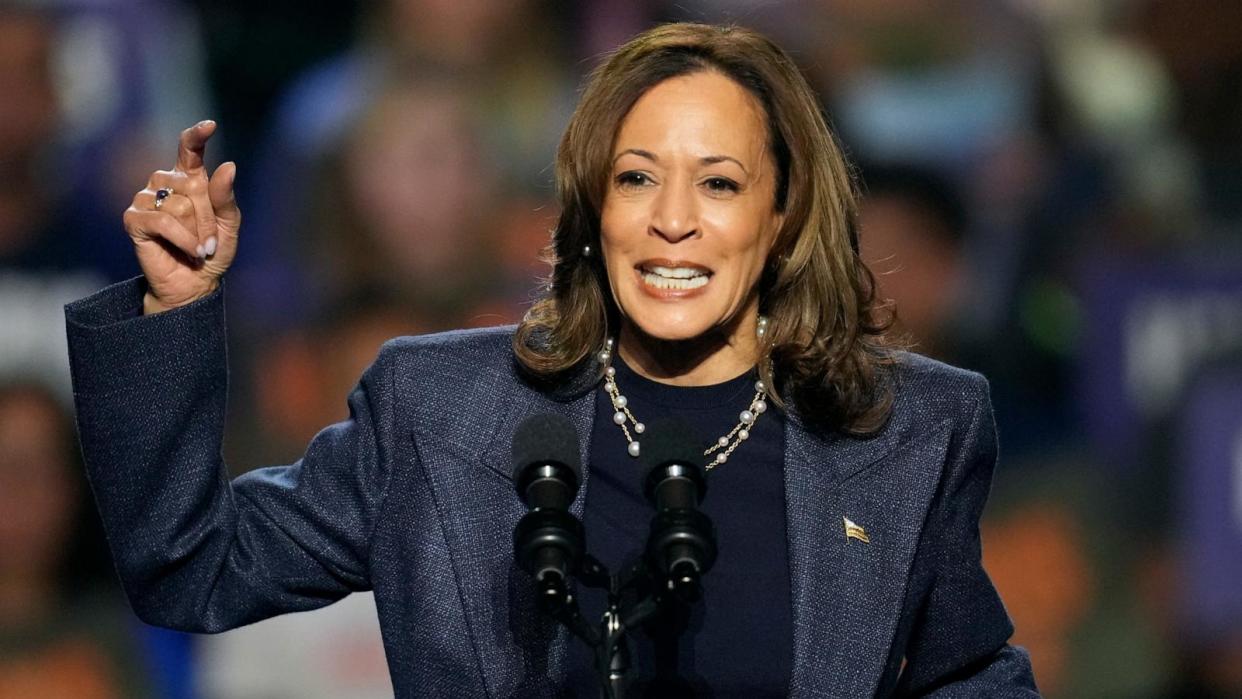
705 252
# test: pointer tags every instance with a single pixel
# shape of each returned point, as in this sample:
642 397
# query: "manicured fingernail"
200 251
205 122
210 247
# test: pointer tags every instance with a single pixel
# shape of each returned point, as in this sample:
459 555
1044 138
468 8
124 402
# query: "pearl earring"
761 328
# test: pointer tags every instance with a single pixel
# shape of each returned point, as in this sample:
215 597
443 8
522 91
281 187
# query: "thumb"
220 192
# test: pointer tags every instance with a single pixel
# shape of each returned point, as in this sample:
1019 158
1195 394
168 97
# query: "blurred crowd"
1053 197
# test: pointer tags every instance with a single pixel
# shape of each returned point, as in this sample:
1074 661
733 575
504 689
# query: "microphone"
682 543
548 542
673 477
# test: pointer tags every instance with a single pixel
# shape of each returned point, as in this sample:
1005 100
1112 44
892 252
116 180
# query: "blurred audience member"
253 50
53 642
27 121
72 88
1192 571
932 82
1198 41
912 223
87 86
406 204
1053 546
444 87
1036 557
302 379
506 57
1197 664
43 261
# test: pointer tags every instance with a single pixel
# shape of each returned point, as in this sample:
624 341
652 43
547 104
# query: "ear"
772 262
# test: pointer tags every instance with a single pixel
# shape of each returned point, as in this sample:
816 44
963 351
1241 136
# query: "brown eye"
632 179
720 185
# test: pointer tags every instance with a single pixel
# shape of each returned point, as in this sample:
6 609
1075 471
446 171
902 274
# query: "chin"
672 324
670 332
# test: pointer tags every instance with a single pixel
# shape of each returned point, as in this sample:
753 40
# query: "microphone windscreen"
546 438
670 441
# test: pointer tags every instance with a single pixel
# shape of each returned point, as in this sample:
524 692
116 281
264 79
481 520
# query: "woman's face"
689 215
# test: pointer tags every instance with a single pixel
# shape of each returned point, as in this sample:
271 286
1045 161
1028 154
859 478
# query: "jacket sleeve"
194 551
959 646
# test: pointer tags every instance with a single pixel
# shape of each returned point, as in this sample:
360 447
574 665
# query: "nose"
675 214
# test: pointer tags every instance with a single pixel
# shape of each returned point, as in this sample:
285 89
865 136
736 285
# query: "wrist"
152 304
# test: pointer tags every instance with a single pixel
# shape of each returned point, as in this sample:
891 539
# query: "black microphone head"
546 438
668 443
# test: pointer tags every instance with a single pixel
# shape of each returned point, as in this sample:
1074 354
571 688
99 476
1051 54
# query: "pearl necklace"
723 447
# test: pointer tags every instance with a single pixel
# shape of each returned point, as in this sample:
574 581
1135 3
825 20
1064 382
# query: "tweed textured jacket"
411 497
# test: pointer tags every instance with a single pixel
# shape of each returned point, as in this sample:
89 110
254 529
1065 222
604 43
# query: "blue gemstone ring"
160 195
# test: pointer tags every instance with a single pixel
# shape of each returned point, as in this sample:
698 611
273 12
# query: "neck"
714 357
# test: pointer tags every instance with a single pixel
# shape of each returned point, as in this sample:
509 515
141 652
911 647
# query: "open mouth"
678 277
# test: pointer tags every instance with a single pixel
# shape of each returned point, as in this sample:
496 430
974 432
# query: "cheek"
747 244
620 233
611 254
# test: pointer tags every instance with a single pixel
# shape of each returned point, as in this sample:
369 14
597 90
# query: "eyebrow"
713 159
706 160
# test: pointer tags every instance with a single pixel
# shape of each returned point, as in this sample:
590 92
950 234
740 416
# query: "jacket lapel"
521 652
848 594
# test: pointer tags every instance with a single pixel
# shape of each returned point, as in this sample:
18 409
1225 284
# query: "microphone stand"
634 596
549 544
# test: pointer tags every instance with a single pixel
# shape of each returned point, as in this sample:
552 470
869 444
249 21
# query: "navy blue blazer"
411 497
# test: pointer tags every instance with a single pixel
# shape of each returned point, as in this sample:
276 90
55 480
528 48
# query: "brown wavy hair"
826 332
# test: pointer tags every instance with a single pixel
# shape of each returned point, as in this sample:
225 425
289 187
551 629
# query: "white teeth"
660 282
675 272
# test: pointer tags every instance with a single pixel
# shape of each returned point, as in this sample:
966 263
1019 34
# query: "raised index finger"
192 144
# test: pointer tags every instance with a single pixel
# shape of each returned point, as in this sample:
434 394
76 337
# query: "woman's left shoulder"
934 390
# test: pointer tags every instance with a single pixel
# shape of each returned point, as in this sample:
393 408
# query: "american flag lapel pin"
853 531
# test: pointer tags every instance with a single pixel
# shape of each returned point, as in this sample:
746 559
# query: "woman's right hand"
186 243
